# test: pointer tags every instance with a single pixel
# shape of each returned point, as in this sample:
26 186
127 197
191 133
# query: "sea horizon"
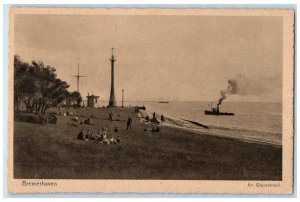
120 101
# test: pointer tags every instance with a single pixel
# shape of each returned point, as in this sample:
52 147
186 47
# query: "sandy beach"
172 153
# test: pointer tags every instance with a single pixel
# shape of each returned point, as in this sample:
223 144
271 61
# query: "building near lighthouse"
92 100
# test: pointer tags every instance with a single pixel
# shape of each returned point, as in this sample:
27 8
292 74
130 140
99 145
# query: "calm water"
260 122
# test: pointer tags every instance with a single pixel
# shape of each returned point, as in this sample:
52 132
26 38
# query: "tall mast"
78 75
122 98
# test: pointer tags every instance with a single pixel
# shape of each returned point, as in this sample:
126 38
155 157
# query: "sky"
165 58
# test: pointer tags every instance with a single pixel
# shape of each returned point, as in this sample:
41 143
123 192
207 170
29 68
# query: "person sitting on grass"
104 137
116 129
99 135
88 121
106 141
118 139
104 134
112 140
80 136
155 129
88 135
92 137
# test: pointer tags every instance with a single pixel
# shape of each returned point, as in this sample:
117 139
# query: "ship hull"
218 113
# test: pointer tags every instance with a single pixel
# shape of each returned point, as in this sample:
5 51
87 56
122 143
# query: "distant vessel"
164 102
216 112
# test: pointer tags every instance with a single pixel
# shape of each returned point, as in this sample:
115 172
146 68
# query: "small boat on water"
164 102
216 112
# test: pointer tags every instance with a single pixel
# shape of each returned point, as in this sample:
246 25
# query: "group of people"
101 136
88 121
155 119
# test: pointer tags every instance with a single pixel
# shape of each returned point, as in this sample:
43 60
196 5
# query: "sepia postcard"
151 100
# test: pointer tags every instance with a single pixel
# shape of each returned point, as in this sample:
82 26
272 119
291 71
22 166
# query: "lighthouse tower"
112 98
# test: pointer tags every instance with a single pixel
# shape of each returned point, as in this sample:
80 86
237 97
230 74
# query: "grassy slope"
52 151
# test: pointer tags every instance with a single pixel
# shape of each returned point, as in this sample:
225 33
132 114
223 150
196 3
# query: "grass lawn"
51 151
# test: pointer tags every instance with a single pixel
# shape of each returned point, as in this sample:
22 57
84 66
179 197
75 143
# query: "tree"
25 86
52 89
74 99
37 86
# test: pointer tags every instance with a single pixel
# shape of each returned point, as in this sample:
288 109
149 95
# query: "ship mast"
78 75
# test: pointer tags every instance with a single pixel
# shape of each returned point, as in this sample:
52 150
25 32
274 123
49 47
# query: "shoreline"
197 132
185 125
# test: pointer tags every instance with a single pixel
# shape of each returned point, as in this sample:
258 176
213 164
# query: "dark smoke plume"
242 85
232 88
